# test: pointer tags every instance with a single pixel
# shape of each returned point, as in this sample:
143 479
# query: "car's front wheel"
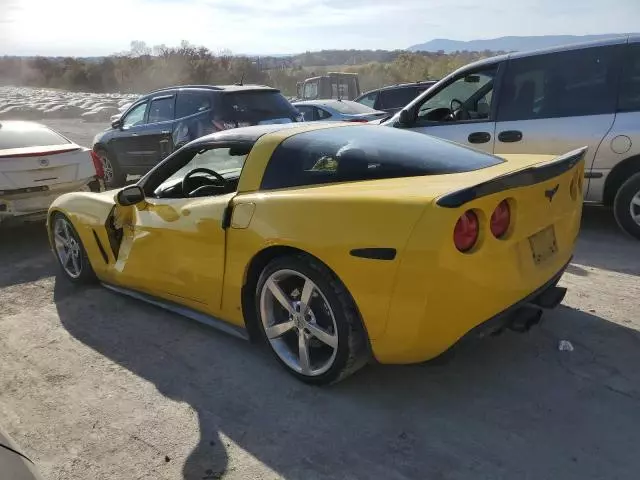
309 320
626 206
70 252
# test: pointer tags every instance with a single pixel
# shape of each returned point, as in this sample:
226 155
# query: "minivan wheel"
309 320
626 206
113 177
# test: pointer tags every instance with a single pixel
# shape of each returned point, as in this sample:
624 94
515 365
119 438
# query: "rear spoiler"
521 178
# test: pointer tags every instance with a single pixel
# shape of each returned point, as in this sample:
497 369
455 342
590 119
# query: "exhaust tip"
525 318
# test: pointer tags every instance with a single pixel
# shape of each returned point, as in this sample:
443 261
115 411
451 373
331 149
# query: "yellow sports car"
334 243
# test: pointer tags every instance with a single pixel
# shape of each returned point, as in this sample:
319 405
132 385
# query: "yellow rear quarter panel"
325 224
441 293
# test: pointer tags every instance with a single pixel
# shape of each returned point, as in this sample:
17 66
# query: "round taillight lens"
466 231
501 219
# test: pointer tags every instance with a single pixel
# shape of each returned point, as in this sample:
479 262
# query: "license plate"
543 245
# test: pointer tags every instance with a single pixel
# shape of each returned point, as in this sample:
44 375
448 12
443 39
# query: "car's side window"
307 112
369 100
629 97
564 84
466 98
161 109
165 181
322 114
397 97
192 102
135 117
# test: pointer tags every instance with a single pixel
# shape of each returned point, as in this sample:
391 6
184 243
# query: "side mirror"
405 118
116 124
131 195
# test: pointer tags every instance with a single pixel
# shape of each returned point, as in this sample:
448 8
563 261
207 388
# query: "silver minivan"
549 102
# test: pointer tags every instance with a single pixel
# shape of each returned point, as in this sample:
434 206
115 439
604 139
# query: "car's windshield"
22 135
225 161
461 89
254 107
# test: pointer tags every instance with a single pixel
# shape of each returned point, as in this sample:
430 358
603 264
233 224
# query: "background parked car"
549 101
36 165
392 98
337 111
164 120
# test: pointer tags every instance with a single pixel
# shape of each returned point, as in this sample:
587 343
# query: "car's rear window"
366 152
22 135
350 108
254 106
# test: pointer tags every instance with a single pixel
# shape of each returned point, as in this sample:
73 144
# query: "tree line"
144 68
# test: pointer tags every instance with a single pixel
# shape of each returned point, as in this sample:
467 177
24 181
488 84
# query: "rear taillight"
97 164
466 231
501 219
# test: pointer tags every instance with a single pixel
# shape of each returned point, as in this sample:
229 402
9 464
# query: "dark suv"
392 98
164 120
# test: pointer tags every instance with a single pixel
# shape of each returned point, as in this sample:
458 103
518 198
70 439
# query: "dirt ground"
97 386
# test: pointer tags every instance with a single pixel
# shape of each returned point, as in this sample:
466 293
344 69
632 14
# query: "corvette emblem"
551 192
44 162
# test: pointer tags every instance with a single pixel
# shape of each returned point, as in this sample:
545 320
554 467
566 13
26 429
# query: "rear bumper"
518 315
448 320
23 205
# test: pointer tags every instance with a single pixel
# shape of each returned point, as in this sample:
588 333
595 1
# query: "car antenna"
241 80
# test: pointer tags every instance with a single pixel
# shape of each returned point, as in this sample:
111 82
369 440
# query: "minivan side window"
135 117
564 84
467 98
192 102
161 109
629 99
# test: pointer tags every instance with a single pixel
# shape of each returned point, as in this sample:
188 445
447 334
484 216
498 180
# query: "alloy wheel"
299 322
67 247
634 208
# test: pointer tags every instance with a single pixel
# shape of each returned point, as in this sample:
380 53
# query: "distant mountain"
505 44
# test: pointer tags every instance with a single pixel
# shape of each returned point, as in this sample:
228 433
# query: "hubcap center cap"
299 321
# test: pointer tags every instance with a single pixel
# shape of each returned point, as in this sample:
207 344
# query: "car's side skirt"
182 310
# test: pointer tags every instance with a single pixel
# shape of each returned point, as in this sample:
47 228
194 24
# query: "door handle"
510 136
165 132
479 137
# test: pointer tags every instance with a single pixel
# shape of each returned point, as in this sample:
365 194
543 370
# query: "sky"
93 28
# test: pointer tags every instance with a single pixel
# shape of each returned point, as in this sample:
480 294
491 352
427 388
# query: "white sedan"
37 165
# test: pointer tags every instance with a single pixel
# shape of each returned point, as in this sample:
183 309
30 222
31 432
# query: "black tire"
352 350
87 275
622 206
117 178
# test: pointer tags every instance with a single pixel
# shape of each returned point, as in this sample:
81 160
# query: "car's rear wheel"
626 206
70 252
113 176
309 320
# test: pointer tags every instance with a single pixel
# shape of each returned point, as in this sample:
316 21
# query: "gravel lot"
98 386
